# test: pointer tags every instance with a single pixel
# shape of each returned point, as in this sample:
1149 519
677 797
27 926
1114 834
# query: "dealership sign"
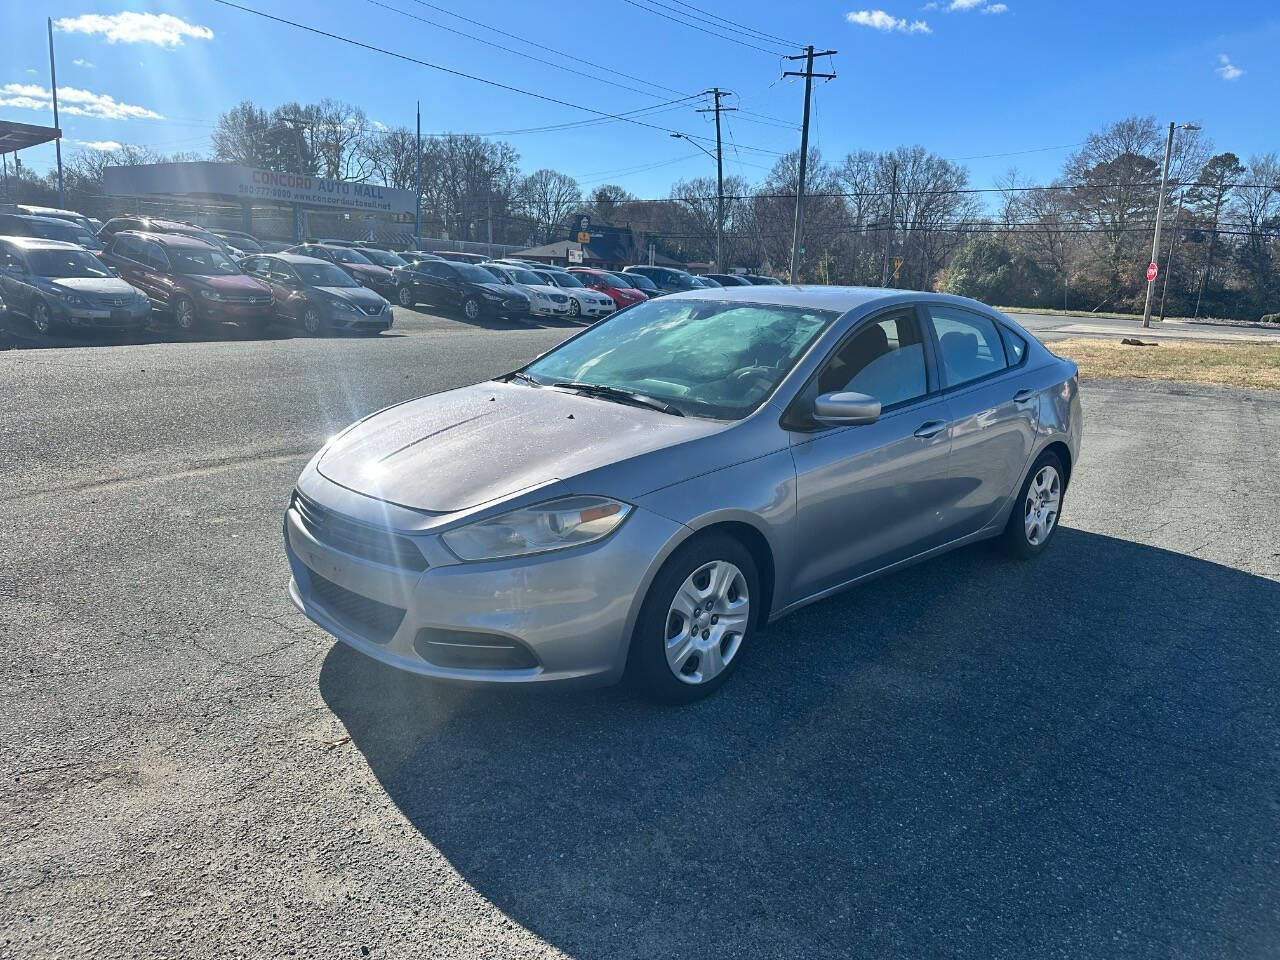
231 181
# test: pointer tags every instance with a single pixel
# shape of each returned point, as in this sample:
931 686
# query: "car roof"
170 239
840 299
293 258
58 221
39 243
34 210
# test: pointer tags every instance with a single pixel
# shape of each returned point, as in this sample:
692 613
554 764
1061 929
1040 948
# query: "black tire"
312 322
42 318
185 317
471 308
1017 541
575 308
648 668
404 296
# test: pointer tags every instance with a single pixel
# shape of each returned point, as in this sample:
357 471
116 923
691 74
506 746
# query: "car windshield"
247 244
495 273
625 280
347 255
51 229
640 281
526 276
323 275
704 357
201 262
561 279
66 263
384 259
473 274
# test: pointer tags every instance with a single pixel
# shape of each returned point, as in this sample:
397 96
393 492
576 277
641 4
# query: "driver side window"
884 359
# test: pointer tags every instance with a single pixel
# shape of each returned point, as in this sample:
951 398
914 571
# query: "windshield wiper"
518 375
621 396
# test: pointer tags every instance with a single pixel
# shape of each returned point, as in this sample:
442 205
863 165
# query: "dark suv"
48 228
156 225
465 287
361 268
667 279
193 282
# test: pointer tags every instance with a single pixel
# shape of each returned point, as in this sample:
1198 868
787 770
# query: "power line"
466 76
760 33
677 17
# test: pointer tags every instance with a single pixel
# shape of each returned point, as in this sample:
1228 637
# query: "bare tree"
343 138
546 198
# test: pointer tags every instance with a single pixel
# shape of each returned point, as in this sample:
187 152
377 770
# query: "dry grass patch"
1253 365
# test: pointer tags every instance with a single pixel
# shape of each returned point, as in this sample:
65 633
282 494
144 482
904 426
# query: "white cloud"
982 6
104 146
162 29
82 62
931 5
965 4
378 125
32 70
1228 70
996 8
73 102
879 20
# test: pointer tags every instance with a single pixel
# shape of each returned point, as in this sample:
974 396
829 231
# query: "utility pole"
1155 245
717 93
888 241
417 210
1173 243
53 83
808 75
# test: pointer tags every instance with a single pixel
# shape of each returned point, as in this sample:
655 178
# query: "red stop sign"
1152 271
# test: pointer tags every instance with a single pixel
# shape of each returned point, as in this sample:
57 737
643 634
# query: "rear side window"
969 346
154 257
1015 347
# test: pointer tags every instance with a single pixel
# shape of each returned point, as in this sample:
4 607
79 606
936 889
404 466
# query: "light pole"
1155 244
719 189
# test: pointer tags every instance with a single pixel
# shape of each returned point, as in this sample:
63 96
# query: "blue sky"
984 78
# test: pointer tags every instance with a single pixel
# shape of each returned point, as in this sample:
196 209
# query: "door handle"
1022 396
930 428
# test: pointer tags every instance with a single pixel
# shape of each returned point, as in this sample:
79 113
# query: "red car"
193 282
607 283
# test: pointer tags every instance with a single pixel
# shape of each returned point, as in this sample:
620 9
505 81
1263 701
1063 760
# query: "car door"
871 495
443 286
994 407
15 281
126 256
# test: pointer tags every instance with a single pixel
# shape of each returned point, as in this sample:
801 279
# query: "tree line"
905 217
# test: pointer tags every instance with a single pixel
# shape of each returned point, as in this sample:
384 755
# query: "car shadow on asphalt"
1075 756
18 334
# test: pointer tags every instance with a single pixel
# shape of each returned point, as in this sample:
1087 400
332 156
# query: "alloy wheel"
471 309
706 622
41 319
311 321
575 308
405 295
1040 511
184 314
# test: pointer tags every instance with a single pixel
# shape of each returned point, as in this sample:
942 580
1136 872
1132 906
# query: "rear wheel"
1034 518
404 296
42 318
184 314
700 611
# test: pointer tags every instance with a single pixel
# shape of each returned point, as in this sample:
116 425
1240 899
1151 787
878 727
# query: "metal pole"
417 210
1173 242
719 189
1155 245
804 160
888 240
57 143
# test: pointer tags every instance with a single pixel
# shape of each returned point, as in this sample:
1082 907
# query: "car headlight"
555 525
491 296
341 305
70 299
211 294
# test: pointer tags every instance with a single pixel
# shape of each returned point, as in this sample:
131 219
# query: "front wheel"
404 296
1034 518
471 308
575 308
184 314
42 318
311 322
701 610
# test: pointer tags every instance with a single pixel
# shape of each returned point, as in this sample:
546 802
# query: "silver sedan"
642 499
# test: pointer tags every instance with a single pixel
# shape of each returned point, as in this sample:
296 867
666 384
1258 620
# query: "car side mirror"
291 284
846 409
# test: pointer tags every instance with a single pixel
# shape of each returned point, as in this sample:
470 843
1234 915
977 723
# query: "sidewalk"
1057 327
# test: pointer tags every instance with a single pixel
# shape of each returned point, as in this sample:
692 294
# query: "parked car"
192 282
246 243
639 281
545 300
464 287
159 225
319 295
707 282
361 268
459 257
583 302
53 284
687 471
762 281
667 279
619 291
48 228
728 279
416 256
59 214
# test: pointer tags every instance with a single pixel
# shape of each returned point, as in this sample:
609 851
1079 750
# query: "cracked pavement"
1078 757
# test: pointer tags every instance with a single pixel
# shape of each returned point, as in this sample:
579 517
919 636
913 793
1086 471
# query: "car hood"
94 286
234 283
482 443
545 288
503 289
370 270
353 294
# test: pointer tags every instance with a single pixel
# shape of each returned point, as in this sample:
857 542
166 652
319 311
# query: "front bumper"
218 311
131 317
549 309
569 614
597 309
360 321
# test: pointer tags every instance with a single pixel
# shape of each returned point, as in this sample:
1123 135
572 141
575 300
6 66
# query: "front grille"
370 309
368 618
357 539
256 301
559 298
472 651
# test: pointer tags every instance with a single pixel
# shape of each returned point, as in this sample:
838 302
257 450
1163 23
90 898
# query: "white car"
583 301
544 300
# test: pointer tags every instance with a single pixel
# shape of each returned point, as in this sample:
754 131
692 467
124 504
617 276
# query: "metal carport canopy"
20 136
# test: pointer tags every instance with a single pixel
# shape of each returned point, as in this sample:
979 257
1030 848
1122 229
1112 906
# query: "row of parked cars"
58 268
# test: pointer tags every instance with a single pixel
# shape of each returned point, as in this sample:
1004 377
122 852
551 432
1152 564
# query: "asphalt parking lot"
1077 757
